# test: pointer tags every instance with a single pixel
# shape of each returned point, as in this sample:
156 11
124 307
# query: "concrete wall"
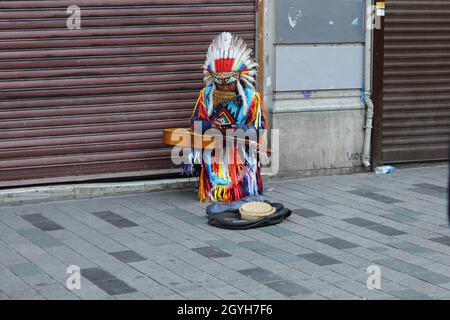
325 67
319 133
313 91
319 21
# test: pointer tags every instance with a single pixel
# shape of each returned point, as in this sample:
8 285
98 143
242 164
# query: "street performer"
228 101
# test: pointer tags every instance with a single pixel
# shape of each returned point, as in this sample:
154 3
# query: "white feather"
248 78
209 82
211 101
243 96
228 46
247 84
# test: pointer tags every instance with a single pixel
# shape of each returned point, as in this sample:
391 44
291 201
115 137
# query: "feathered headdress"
228 60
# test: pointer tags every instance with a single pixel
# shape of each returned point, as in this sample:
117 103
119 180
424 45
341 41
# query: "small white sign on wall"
380 6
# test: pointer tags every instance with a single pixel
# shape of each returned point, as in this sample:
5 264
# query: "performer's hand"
216 124
253 144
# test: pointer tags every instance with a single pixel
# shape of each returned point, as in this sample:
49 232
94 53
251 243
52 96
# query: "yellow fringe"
256 114
202 93
258 111
201 189
221 193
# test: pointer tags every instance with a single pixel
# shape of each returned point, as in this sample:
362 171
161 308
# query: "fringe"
190 165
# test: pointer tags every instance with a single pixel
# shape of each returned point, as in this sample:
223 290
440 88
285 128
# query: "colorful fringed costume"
227 179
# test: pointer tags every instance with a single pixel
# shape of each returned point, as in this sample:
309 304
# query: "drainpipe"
368 91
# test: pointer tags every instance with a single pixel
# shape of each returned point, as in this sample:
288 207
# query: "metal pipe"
368 90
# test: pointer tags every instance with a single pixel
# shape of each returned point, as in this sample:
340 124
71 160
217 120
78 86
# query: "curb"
29 195
77 191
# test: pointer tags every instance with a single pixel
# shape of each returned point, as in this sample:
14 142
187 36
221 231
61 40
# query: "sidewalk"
158 245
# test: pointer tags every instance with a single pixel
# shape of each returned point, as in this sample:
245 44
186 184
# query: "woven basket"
256 210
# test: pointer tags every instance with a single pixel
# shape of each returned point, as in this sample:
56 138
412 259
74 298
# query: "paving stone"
376 197
224 244
306 213
406 212
47 242
115 287
367 188
39 280
309 297
399 218
3 296
33 218
430 276
56 291
32 233
123 223
279 231
229 292
321 201
361 289
267 294
128 256
131 296
28 294
41 222
186 216
334 293
442 240
11 282
255 245
379 249
107 282
48 226
211 252
431 186
409 294
9 256
157 272
235 263
107 215
39 238
360 222
364 223
398 265
409 247
338 243
177 212
24 269
115 219
388 231
96 274
287 288
260 275
320 259
279 255
430 192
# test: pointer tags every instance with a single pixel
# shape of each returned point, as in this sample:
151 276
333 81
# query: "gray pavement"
159 246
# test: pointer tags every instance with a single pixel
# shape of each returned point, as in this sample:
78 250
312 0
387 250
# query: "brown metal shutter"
416 81
85 104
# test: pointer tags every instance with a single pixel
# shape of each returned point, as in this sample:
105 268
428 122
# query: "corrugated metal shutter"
416 93
91 103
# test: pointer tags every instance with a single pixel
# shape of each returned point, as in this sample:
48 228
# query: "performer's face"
227 87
